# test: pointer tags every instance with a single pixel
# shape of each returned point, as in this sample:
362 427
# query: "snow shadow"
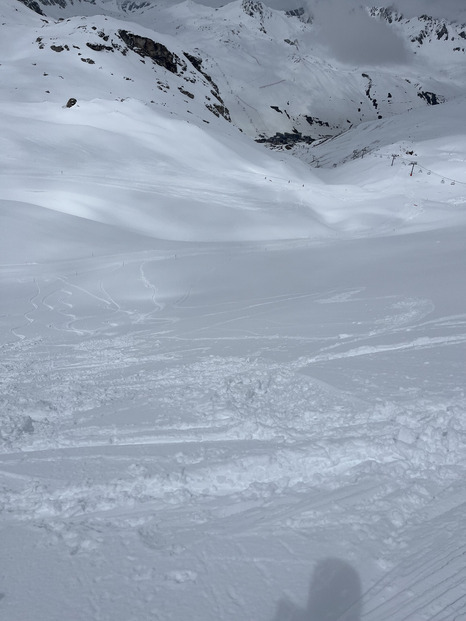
334 595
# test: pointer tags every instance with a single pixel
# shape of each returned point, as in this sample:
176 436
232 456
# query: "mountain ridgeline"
266 72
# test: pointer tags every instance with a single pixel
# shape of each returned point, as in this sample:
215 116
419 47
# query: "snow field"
165 411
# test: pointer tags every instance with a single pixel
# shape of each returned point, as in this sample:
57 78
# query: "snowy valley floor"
264 431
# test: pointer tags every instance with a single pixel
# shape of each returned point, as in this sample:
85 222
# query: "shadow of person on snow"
334 595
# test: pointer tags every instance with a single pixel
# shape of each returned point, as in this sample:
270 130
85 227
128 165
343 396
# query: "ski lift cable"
429 170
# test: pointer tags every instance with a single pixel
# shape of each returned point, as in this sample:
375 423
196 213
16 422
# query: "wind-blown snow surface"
232 386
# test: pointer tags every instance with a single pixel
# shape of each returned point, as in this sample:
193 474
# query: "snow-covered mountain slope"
276 75
147 144
280 81
232 385
143 146
101 57
433 137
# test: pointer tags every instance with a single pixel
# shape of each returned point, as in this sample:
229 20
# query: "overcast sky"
353 37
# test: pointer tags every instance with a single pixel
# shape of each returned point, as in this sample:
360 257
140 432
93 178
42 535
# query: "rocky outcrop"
197 64
253 8
388 14
61 3
433 28
256 9
219 109
100 47
368 91
431 98
33 5
157 52
312 120
301 13
130 5
285 140
442 33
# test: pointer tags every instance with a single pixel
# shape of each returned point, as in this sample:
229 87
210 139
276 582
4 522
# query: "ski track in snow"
133 408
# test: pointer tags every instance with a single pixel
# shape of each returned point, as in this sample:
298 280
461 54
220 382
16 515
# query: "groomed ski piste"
233 384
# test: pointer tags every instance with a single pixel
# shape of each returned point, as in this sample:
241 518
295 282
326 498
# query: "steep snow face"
279 79
101 57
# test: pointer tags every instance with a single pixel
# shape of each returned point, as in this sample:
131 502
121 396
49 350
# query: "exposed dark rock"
157 52
368 91
88 60
217 109
99 47
462 34
387 14
420 37
58 48
197 64
61 3
216 94
285 139
277 109
442 32
253 8
131 5
431 98
295 12
185 92
33 5
373 100
71 102
301 14
312 120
